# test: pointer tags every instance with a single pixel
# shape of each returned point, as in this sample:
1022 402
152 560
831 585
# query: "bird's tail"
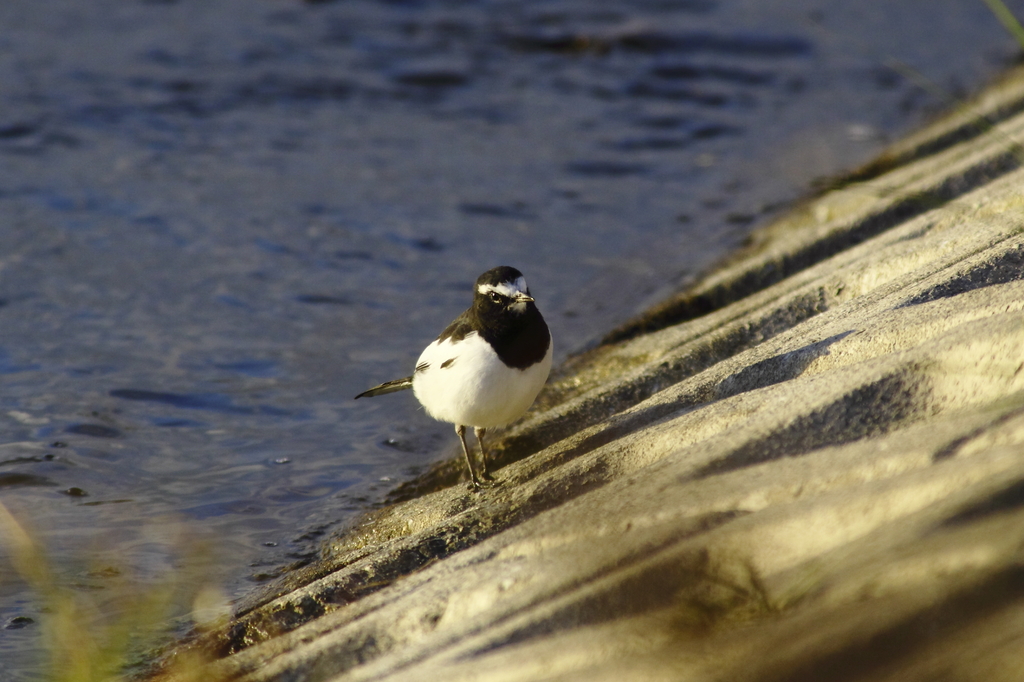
387 387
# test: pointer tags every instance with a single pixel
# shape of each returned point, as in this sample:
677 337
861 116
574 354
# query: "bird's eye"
495 297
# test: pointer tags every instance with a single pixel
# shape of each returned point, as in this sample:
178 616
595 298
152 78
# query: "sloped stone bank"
808 466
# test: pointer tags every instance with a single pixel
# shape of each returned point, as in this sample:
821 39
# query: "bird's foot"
482 482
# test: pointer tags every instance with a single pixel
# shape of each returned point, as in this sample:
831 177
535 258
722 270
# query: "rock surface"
809 466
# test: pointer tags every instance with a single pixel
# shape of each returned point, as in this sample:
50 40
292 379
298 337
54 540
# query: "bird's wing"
460 328
387 387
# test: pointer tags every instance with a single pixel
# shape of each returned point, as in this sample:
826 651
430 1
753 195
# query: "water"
219 221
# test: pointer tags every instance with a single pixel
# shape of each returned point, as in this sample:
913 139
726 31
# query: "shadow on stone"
873 409
1008 499
1008 267
884 650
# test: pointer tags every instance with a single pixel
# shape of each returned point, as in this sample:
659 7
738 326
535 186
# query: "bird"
487 367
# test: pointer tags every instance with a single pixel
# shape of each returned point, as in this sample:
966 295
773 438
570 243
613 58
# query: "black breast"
520 340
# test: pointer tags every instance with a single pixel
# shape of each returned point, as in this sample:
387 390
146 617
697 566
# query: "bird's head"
502 289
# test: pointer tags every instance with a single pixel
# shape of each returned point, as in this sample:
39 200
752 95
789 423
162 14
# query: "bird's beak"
524 298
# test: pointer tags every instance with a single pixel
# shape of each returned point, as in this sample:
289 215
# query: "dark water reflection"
219 221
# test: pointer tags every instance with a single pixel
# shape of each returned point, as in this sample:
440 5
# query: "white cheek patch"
510 289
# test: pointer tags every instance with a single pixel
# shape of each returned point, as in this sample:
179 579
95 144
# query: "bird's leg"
474 481
483 453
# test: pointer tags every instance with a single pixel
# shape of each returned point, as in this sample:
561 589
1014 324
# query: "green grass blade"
1006 18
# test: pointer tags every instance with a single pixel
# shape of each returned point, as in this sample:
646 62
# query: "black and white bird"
487 366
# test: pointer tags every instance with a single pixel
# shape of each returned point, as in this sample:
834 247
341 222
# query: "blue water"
219 221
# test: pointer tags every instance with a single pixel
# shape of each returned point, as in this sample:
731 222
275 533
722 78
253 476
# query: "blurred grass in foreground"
89 639
1007 19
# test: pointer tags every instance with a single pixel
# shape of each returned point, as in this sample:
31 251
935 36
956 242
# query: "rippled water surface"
221 219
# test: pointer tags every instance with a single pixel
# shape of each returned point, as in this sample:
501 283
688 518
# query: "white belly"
477 389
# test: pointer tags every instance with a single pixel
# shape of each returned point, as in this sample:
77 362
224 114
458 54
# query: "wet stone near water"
94 430
18 622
